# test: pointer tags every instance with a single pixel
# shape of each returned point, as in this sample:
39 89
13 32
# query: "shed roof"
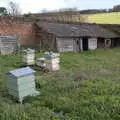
22 72
76 30
113 27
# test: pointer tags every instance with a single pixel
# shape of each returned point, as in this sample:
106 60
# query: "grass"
104 18
86 88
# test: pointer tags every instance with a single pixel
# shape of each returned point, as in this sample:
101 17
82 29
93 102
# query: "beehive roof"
22 72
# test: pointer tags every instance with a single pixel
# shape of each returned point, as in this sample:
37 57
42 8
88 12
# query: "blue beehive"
21 83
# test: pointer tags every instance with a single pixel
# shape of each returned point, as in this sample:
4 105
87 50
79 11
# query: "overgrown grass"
86 88
104 18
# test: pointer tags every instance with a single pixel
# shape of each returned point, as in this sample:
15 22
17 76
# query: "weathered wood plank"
8 44
65 44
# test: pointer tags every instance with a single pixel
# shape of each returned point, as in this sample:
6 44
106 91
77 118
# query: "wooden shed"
73 37
115 28
21 83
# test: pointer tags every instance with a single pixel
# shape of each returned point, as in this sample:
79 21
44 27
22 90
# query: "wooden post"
18 42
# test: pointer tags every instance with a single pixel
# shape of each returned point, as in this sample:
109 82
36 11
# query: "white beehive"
52 61
21 83
28 57
53 67
40 62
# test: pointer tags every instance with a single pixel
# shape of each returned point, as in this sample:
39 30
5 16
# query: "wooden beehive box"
21 83
40 62
53 67
52 61
28 57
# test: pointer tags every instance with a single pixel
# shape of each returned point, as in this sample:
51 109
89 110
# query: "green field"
104 18
86 88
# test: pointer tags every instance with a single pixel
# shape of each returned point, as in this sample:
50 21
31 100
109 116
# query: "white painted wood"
92 43
53 64
53 67
40 62
74 46
28 57
77 45
53 61
65 44
81 45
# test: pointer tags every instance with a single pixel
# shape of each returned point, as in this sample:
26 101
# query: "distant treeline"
95 11
115 8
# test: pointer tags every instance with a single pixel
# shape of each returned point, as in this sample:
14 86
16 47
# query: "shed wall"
65 44
101 43
116 42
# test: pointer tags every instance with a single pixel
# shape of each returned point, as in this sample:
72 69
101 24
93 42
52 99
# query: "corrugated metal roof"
22 72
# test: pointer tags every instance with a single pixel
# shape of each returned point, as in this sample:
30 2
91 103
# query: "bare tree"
14 8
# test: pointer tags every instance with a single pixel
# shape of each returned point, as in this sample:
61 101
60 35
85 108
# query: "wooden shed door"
78 45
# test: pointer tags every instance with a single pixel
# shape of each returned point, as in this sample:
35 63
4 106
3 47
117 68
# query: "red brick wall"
25 31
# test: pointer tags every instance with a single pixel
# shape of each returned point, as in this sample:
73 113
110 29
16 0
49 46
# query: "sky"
34 6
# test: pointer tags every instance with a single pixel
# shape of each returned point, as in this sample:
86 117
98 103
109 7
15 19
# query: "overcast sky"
34 6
